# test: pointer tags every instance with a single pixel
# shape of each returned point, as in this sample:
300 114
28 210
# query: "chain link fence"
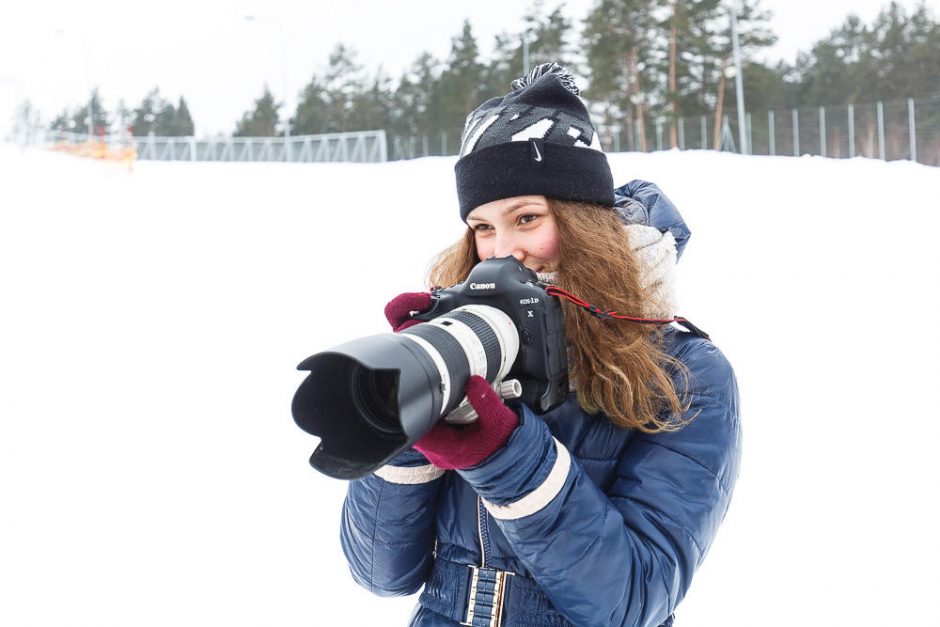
889 131
901 129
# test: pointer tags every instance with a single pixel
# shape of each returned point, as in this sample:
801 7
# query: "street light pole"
739 80
525 53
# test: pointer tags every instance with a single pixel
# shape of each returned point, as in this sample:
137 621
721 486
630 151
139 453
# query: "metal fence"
361 146
902 129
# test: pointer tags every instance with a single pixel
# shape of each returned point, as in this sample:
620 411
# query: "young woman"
599 511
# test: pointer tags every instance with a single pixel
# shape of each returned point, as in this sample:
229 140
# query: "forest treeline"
636 60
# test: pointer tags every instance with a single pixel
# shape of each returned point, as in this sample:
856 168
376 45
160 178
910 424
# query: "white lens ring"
506 334
469 341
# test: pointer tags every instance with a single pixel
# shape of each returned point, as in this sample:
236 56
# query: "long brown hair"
617 367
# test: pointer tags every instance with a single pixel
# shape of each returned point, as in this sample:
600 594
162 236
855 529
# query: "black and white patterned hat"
537 139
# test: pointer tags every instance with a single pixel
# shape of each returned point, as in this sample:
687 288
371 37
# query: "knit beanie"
537 139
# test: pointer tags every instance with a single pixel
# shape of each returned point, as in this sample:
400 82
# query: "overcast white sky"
52 51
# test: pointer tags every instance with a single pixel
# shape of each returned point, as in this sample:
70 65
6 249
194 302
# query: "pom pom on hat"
567 80
537 139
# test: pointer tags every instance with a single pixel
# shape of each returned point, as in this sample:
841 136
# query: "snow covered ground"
150 324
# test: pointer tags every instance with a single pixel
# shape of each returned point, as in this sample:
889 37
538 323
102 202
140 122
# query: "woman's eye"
529 217
481 227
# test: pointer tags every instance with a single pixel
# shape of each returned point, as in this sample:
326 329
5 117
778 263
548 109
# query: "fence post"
851 131
681 133
750 135
727 137
881 131
771 134
822 131
912 129
383 147
659 133
795 115
617 140
703 129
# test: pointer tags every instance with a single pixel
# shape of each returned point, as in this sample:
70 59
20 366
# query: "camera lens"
374 395
369 398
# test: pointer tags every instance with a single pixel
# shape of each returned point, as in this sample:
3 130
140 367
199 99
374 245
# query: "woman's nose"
506 246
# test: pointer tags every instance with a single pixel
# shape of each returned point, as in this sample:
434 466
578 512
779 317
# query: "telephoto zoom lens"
370 398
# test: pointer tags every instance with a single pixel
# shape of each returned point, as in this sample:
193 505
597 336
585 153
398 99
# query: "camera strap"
610 314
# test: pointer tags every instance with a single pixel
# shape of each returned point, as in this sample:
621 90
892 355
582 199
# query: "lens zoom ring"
487 337
458 366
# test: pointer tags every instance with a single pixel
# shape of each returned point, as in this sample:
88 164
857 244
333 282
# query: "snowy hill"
151 322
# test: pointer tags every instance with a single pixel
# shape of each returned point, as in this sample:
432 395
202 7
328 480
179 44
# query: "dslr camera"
370 398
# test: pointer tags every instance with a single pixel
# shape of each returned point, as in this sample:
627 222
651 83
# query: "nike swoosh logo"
538 155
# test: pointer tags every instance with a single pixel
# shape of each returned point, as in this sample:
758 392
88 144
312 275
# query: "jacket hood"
642 202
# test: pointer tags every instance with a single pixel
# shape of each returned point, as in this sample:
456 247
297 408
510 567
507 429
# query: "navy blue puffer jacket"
574 521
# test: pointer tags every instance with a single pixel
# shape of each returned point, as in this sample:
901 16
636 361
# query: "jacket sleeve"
387 530
625 557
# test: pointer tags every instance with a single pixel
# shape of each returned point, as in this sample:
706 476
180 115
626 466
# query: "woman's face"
521 226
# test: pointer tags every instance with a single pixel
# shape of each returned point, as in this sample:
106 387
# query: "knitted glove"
656 254
456 447
399 310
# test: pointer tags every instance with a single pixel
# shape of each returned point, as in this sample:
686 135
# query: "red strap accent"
607 314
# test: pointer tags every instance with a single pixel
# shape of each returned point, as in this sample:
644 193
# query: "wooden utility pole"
716 144
633 80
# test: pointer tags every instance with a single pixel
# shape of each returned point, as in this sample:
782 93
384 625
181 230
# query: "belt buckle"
487 594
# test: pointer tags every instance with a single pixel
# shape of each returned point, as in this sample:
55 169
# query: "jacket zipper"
482 531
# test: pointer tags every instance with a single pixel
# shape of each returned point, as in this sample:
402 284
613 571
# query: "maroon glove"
399 310
455 447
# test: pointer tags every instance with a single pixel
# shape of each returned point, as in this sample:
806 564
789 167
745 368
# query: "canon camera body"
542 363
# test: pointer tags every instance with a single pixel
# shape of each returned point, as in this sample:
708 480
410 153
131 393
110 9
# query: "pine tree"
830 70
685 56
344 82
262 121
461 83
505 65
416 106
898 55
923 59
770 86
372 108
164 125
547 37
183 125
145 115
62 122
617 42
311 116
80 118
